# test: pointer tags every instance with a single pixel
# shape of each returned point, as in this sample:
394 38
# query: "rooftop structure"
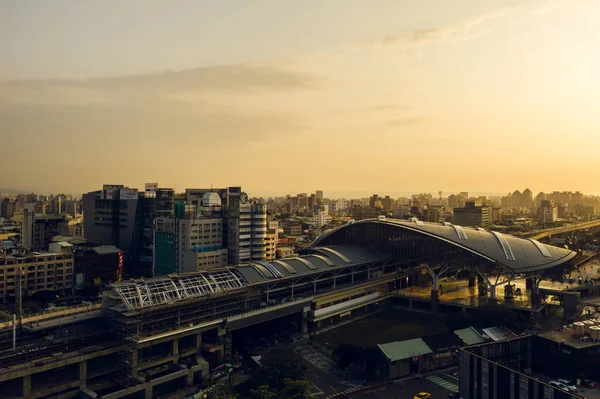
144 293
515 255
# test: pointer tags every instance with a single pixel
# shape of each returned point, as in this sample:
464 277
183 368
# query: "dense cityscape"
392 199
125 292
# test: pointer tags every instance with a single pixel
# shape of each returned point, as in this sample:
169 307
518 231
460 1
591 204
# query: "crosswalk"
443 383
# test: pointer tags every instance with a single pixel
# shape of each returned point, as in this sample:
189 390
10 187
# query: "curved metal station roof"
144 293
516 254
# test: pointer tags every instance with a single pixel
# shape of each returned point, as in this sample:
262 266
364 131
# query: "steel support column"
435 280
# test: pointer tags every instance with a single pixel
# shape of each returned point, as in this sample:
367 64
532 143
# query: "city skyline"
389 96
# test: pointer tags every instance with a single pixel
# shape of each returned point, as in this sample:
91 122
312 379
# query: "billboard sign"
128 194
109 190
78 280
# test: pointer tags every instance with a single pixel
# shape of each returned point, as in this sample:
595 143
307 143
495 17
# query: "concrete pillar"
435 301
536 298
492 289
134 358
27 386
304 329
198 342
529 283
175 350
82 373
149 392
219 355
472 276
190 378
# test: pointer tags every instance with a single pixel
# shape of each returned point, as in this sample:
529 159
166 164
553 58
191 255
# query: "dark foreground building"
504 370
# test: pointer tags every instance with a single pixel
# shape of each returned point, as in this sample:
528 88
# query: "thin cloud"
238 79
387 107
401 122
423 37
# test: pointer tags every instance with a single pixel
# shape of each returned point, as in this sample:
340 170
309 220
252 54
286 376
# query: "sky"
380 96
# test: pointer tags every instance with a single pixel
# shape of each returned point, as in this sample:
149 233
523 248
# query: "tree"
220 391
90 291
262 392
277 365
296 390
43 297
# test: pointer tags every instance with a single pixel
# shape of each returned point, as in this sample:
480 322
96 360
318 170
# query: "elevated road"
539 234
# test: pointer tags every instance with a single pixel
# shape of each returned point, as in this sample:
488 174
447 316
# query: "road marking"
334 390
443 383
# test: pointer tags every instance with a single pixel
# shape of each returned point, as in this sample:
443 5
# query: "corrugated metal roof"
498 333
469 336
106 249
401 350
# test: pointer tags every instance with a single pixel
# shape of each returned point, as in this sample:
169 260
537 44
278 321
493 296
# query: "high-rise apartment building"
246 228
37 230
35 272
124 217
471 215
319 195
7 208
109 218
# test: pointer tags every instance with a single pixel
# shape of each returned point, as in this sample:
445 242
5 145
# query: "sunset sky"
290 96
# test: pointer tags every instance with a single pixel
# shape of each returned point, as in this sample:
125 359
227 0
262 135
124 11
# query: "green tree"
220 391
295 389
278 364
262 392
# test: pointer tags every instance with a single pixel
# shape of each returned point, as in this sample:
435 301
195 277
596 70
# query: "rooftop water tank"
578 329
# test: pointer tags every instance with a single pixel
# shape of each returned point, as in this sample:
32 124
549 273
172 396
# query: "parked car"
569 384
588 383
560 385
423 395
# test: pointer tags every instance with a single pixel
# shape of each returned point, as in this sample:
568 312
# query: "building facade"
471 215
35 272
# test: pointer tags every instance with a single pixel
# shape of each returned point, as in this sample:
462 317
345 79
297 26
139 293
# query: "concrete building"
271 241
504 370
109 218
37 230
547 212
471 215
285 252
321 219
7 208
191 239
37 272
200 244
365 212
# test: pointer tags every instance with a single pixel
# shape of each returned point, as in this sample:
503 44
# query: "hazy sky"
281 95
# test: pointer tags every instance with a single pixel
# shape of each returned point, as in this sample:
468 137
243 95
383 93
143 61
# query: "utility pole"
20 272
14 332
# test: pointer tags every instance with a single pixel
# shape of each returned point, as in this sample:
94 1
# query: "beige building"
271 241
471 215
46 271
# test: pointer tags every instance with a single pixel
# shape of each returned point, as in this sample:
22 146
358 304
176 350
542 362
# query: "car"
423 395
453 395
569 384
588 383
559 385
